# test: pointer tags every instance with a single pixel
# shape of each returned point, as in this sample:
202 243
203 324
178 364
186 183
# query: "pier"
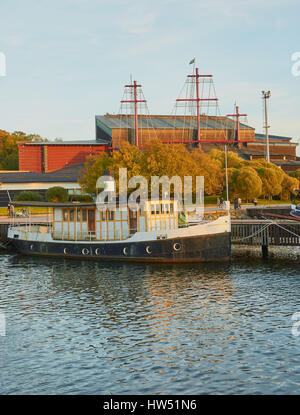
265 233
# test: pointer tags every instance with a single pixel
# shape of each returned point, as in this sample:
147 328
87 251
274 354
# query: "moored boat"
153 233
295 212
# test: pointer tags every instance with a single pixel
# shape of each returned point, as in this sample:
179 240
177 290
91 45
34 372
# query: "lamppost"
266 95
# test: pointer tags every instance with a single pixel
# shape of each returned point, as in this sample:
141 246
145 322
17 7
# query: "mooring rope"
254 234
264 228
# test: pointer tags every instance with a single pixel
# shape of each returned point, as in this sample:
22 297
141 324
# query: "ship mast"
237 115
135 101
196 78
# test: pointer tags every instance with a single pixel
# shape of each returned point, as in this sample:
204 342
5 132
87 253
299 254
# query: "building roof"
67 174
65 143
108 122
259 136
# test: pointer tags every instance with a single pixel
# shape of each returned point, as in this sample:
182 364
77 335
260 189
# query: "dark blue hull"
189 249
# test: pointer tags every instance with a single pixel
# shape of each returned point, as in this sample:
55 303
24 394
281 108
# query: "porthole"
125 251
177 246
65 251
149 250
85 251
31 247
97 251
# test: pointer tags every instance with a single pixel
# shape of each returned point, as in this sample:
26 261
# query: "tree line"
248 179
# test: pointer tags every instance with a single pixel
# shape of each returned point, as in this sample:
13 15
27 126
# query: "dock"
265 233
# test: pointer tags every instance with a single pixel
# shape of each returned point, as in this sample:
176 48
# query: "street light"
266 95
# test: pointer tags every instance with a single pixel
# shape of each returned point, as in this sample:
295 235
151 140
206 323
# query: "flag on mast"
192 61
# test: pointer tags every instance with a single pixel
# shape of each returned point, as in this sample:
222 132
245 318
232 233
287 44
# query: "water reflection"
92 327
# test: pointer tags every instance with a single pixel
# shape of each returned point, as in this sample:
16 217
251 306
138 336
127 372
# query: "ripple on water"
86 327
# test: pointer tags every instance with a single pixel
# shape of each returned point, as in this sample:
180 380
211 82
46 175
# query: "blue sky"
68 60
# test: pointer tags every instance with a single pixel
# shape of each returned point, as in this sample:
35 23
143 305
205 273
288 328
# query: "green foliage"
247 179
80 198
57 194
28 195
246 183
9 152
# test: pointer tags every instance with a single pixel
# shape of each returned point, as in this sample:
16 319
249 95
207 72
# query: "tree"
246 183
233 160
290 186
28 195
271 181
94 167
212 172
57 194
9 152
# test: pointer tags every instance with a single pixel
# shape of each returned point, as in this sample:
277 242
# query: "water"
77 327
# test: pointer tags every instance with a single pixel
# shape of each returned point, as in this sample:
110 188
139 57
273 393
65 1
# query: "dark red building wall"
46 158
30 158
57 157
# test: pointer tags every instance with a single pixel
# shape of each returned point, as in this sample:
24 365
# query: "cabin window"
111 214
157 209
152 209
72 215
79 215
161 208
65 215
84 218
171 208
166 208
103 215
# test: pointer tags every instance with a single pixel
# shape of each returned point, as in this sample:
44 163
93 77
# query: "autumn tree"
9 152
94 167
290 186
211 170
246 183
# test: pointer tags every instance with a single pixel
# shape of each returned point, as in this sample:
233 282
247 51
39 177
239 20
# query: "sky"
68 60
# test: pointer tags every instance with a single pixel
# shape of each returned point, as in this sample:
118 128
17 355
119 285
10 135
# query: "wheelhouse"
87 221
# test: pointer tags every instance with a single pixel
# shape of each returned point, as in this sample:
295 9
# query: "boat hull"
200 248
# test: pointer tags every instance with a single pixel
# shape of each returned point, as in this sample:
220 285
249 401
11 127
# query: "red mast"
237 115
135 100
197 100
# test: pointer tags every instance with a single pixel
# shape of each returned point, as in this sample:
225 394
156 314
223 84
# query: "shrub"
80 198
28 195
57 194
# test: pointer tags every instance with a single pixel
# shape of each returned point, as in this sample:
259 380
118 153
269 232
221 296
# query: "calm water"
102 328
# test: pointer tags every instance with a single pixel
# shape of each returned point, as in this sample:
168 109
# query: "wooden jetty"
265 233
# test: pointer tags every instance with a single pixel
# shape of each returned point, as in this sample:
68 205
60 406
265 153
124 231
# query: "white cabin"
77 221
